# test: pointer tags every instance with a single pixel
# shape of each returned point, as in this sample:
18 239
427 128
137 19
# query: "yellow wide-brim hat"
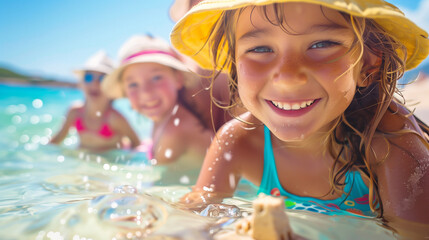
191 34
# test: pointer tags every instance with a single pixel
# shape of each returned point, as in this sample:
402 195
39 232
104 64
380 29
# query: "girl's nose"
289 72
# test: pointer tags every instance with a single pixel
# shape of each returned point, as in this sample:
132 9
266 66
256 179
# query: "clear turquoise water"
60 192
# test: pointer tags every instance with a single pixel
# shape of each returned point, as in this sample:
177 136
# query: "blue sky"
53 37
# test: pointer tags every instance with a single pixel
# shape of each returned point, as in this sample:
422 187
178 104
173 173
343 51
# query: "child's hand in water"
198 200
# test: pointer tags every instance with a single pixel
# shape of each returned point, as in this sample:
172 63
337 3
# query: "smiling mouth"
293 106
150 104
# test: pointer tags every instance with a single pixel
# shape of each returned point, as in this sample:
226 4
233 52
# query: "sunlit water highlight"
52 192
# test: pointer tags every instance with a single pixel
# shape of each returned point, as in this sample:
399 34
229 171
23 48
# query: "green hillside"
6 73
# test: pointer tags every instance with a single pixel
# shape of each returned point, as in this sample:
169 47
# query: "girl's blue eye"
261 49
156 78
324 44
132 85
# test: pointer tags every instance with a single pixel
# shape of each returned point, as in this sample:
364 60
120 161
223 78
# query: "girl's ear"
371 66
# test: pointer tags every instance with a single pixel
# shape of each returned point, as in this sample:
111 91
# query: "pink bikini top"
104 131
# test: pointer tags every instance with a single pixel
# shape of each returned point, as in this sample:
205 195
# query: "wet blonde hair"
355 128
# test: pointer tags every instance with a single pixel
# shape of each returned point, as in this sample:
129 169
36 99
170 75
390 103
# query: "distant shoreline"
36 82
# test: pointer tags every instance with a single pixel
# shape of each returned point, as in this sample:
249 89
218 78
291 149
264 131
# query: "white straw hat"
143 49
99 62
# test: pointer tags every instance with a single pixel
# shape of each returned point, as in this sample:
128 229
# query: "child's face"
152 89
296 82
90 84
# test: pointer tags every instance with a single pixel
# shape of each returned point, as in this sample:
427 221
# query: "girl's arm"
121 125
403 179
235 152
402 172
70 118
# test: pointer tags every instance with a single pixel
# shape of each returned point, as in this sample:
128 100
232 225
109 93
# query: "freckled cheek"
249 70
133 97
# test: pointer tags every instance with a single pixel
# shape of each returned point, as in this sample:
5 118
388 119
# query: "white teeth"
295 106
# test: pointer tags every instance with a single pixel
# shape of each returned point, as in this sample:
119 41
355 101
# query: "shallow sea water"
60 192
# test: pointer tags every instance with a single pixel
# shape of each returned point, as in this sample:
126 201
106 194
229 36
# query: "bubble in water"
114 205
125 189
114 168
106 166
221 210
34 119
46 118
176 122
184 180
35 139
37 103
16 119
168 153
24 138
44 140
153 161
60 158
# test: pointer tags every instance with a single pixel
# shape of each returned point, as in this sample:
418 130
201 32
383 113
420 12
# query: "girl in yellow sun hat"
323 128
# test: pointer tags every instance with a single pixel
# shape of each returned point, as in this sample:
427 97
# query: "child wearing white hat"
153 79
99 125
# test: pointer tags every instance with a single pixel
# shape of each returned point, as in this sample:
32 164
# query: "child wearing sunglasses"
154 80
100 127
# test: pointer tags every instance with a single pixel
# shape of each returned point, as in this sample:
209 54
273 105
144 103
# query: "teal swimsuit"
356 203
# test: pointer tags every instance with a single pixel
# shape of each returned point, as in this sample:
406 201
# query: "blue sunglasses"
89 77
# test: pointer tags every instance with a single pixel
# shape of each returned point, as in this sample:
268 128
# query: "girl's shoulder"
399 132
244 132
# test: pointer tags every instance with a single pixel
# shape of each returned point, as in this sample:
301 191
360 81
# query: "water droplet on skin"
227 143
98 114
227 156
209 169
176 122
232 181
168 153
176 107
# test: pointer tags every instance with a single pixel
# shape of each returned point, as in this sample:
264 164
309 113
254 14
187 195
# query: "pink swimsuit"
104 131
